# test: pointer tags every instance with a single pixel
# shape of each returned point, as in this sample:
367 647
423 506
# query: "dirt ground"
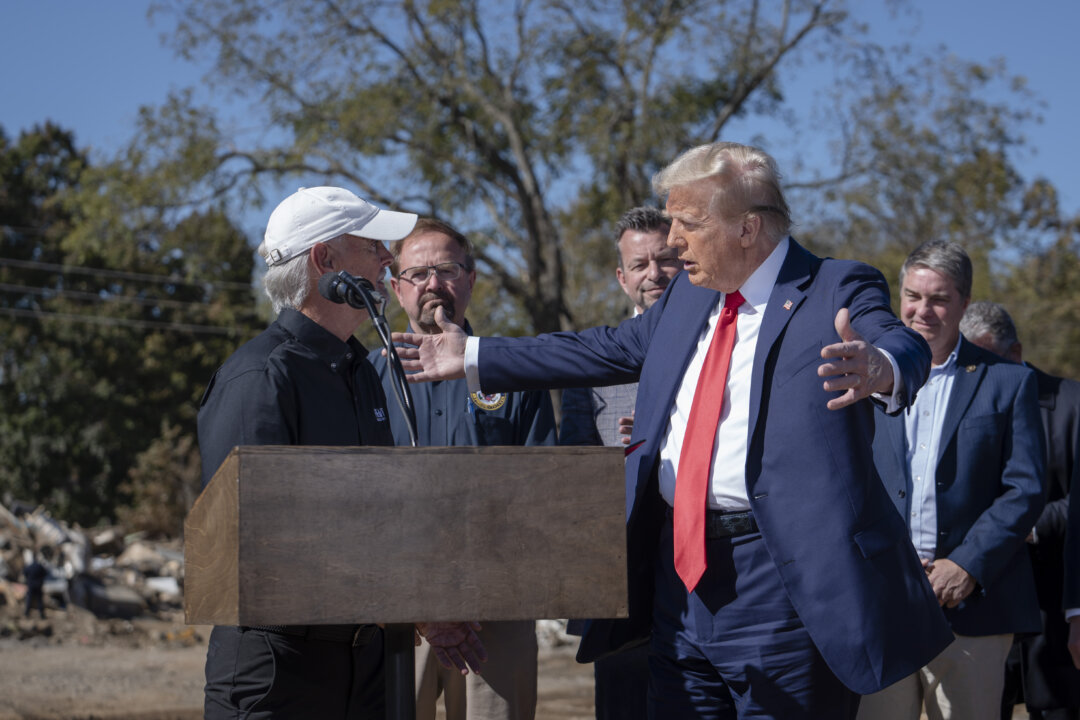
75 667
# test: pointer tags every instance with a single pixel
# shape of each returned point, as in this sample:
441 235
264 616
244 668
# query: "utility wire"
119 322
103 272
49 293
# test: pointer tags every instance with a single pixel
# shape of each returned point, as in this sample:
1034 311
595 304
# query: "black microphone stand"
398 648
360 289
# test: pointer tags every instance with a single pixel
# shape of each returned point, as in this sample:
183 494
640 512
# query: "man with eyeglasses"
436 269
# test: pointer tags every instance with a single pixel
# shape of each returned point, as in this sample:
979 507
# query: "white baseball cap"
313 215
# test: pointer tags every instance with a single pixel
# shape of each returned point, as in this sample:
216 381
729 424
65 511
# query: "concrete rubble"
116 578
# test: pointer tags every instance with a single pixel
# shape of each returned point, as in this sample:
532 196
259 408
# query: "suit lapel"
786 298
969 374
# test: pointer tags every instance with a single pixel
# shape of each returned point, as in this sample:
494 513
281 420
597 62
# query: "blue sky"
89 66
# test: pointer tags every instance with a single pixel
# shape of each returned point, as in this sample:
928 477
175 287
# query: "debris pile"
99 585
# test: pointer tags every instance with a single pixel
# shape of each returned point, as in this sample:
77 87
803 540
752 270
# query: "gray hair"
989 318
947 258
749 182
641 219
287 284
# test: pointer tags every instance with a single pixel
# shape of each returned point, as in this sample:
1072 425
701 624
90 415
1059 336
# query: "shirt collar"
758 287
319 340
949 361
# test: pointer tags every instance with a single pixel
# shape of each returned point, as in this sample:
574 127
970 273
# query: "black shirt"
294 384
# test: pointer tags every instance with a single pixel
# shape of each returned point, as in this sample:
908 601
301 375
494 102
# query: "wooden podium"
332 535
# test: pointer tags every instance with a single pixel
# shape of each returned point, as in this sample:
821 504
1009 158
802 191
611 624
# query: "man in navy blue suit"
1039 671
964 466
811 593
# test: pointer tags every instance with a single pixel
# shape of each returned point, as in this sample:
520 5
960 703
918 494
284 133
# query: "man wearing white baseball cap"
306 380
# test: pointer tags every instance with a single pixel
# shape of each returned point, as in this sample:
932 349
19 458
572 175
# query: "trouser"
735 647
622 685
964 682
35 599
254 674
505 689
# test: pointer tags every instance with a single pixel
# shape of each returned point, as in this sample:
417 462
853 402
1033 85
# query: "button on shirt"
922 423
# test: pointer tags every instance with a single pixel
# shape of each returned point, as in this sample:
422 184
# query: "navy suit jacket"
841 550
1071 597
990 471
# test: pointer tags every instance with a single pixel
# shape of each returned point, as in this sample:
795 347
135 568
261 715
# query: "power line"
103 272
119 322
49 293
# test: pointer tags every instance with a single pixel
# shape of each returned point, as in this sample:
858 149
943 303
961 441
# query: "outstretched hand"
434 357
856 367
455 644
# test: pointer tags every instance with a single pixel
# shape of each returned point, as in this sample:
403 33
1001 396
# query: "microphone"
357 292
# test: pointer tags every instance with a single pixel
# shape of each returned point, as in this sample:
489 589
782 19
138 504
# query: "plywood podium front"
307 535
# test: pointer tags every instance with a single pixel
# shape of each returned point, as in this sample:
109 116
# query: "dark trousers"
735 647
622 685
35 598
261 675
1048 670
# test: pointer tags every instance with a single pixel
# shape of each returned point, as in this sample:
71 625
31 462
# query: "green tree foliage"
532 125
113 315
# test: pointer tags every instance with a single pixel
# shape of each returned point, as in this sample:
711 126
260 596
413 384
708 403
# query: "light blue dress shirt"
923 421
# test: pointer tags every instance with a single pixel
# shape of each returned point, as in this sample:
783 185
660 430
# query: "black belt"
720 524
355 635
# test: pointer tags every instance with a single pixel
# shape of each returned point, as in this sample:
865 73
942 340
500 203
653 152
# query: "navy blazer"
990 469
841 551
1071 597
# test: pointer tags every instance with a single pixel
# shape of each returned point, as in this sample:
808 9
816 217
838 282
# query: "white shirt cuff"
892 404
1071 613
472 360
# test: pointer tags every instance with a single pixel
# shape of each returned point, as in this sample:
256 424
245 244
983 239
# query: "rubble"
100 583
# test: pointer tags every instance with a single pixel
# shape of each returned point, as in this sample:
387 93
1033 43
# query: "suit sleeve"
578 421
597 356
866 295
999 532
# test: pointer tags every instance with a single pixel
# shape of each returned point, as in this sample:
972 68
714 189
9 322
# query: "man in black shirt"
306 381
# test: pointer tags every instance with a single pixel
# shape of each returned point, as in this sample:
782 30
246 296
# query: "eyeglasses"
444 271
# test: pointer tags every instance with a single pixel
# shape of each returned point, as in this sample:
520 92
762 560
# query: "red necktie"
695 459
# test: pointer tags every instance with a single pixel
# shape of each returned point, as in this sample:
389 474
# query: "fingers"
440 318
842 323
456 645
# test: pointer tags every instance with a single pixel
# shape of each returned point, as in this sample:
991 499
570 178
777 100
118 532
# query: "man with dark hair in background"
604 416
1039 671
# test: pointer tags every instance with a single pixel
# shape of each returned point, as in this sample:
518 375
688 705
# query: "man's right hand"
455 644
435 357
